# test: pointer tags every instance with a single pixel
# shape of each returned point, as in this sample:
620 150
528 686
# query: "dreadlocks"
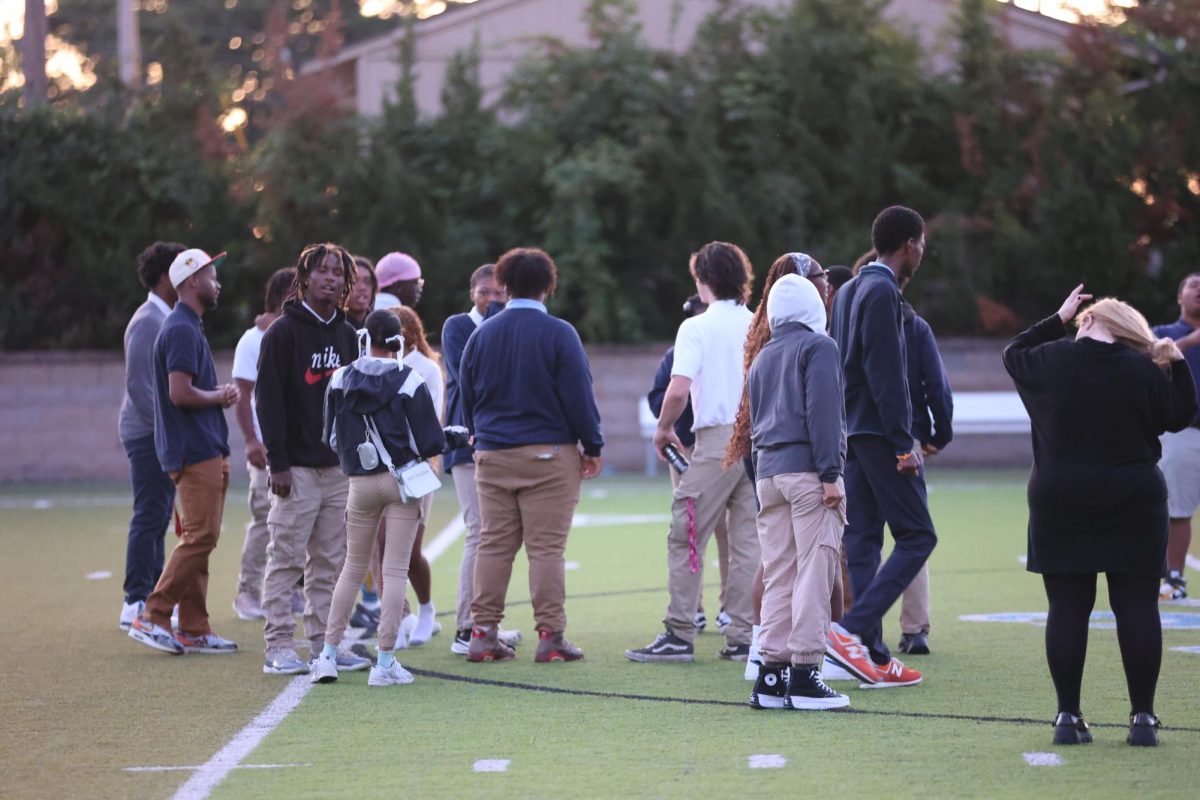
313 255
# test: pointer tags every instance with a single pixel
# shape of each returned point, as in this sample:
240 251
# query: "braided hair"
314 254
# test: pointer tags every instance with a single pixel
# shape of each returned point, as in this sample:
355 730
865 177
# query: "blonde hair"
414 332
1129 327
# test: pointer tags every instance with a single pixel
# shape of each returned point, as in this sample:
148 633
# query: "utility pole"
129 44
33 53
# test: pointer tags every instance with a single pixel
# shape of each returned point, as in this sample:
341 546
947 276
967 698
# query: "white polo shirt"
708 349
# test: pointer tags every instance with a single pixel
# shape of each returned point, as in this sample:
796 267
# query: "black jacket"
397 400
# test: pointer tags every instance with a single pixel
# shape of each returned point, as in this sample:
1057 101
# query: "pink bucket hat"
396 267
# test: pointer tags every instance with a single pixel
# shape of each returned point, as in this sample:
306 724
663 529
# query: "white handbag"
416 478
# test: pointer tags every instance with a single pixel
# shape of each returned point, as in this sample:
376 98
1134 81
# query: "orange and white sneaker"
848 652
893 674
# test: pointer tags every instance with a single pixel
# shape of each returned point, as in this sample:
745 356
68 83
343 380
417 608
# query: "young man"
708 369
527 397
1180 462
884 474
153 491
248 601
192 441
461 463
399 275
307 520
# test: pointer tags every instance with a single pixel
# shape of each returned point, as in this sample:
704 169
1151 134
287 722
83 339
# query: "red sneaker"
848 652
485 646
892 675
553 647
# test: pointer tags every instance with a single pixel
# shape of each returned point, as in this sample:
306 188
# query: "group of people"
794 432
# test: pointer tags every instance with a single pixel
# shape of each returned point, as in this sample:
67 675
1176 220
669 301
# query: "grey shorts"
1180 465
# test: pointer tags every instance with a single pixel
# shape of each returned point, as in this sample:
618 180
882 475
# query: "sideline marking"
1100 620
99 575
1043 759
239 766
767 761
492 765
446 537
1190 649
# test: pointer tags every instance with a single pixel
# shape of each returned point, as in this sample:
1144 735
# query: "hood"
295 309
795 299
370 383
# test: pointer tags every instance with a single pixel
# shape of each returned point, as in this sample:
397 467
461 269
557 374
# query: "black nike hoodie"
299 355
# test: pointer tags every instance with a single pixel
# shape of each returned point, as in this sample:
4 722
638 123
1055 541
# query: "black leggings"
1134 601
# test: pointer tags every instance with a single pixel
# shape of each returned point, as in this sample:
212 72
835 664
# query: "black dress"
1097 500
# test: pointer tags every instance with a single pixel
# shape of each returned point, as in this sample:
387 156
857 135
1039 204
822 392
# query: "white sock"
424 630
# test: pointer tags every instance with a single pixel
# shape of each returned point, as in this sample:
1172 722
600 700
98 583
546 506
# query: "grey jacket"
797 405
137 406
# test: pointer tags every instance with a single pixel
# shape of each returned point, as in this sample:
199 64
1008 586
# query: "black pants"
153 506
1134 601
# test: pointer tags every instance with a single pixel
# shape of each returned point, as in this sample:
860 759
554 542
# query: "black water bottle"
675 459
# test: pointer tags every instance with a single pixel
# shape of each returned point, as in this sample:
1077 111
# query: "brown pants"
720 533
372 497
526 495
706 492
200 489
801 539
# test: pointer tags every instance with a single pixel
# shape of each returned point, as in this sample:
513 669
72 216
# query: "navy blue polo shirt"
1176 331
185 436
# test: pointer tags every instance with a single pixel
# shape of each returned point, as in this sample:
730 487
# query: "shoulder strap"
377 440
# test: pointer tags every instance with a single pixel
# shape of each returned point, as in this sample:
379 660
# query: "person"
527 398
247 603
1097 500
884 473
300 352
399 275
798 422
683 429
708 367
361 299
1181 450
460 464
932 427
838 276
153 490
395 400
191 439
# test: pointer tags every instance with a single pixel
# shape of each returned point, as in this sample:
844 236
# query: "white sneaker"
323 670
510 638
834 672
407 626
754 658
129 612
390 676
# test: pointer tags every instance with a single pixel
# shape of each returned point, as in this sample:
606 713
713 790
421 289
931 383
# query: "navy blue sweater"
525 379
928 386
658 393
867 326
455 332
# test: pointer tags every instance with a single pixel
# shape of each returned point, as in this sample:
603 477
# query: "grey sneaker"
283 661
247 606
395 675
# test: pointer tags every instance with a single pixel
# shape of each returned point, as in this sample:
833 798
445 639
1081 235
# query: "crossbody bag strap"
377 440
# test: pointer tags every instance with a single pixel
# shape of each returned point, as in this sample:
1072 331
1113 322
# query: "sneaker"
346 660
553 647
806 691
665 647
461 643
1143 729
208 643
130 612
510 638
1173 588
723 619
247 606
914 644
893 674
1071 729
156 636
735 652
283 661
394 675
363 624
700 621
407 626
770 689
323 670
754 660
848 652
831 671
486 646
297 601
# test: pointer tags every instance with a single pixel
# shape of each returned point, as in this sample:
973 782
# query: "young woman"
395 399
361 299
1097 500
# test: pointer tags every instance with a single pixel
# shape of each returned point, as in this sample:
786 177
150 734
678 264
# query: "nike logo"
313 378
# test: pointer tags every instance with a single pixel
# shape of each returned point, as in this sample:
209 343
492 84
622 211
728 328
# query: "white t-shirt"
708 349
245 366
431 371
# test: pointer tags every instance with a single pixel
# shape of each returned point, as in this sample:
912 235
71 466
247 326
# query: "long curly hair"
756 340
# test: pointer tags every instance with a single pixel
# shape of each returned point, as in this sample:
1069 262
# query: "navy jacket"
658 393
928 387
867 326
525 380
455 332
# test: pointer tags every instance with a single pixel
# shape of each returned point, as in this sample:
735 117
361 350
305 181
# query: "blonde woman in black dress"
1097 501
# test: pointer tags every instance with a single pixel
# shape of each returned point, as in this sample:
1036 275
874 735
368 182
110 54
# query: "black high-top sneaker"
1143 729
806 690
1071 729
770 690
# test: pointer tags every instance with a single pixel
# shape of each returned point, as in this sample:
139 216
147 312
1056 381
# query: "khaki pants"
706 492
914 604
468 500
526 495
801 540
372 497
200 489
720 533
254 548
308 539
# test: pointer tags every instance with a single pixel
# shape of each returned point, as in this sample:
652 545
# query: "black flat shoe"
914 644
1143 729
1071 729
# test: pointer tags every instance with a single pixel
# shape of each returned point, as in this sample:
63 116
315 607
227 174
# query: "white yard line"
446 537
239 766
767 761
1043 759
492 765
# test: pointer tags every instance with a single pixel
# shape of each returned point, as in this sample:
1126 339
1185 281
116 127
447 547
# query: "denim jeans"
153 504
